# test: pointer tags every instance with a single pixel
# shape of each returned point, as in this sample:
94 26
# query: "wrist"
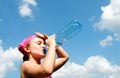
52 46
57 46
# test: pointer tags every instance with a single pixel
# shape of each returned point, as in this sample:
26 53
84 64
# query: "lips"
45 50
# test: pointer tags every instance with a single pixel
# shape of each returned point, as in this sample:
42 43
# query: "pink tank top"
49 77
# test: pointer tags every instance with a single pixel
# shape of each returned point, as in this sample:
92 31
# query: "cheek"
35 48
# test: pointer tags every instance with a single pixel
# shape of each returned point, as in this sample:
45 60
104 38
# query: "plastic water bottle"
67 32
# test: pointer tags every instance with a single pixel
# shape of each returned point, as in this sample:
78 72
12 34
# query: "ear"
26 49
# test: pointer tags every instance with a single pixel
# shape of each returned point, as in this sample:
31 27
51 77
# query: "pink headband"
24 43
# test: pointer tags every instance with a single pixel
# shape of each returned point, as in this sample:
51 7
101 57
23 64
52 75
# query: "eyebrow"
41 41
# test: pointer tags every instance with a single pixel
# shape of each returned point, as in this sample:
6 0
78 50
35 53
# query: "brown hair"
25 57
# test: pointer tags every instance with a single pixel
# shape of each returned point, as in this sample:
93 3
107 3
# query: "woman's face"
37 48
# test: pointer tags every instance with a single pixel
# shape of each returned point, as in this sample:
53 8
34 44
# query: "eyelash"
39 43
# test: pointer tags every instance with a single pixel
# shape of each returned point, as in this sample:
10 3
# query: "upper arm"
62 58
33 70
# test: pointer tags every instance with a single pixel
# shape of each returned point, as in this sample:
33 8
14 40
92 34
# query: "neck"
35 60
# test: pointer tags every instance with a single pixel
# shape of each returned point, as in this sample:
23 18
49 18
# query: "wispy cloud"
92 18
1 20
106 42
7 59
26 8
117 36
94 67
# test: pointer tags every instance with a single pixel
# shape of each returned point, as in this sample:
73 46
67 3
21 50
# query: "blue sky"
94 51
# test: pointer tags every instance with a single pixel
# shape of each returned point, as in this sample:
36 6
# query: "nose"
44 48
43 45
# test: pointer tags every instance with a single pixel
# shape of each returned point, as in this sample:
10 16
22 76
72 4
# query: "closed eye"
39 43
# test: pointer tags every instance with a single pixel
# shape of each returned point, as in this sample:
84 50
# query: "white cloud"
32 2
94 67
110 17
106 42
109 20
25 8
7 59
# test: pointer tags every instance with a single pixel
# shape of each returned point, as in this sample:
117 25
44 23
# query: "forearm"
61 53
49 62
62 58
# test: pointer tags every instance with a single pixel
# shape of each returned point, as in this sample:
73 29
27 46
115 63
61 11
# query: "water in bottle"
67 32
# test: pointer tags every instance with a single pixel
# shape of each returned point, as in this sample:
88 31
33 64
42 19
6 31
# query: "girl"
33 49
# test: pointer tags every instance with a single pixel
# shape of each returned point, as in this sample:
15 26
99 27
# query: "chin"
42 56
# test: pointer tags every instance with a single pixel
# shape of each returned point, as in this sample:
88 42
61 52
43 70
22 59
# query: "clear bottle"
67 32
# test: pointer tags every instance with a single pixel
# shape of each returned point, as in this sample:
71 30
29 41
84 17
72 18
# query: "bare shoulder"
27 65
32 70
27 69
24 67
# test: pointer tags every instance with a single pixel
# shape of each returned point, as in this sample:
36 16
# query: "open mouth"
45 50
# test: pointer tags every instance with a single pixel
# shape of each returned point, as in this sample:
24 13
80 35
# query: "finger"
45 36
39 35
46 41
53 36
